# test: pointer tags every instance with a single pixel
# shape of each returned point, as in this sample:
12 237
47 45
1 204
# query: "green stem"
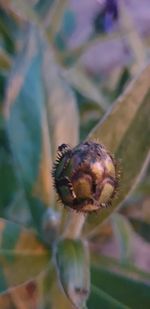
75 224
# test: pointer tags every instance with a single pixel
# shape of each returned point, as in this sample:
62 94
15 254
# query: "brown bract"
85 177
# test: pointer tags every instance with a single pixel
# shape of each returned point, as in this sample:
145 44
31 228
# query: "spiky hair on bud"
85 177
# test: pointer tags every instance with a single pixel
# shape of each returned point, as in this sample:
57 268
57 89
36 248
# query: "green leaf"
129 292
35 106
124 235
122 114
8 179
5 61
8 30
57 297
85 86
125 130
67 28
43 7
23 109
134 40
62 111
58 10
72 263
125 268
20 249
69 23
99 298
27 126
141 227
24 11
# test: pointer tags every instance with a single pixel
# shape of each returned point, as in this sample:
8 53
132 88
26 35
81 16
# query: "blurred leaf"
43 188
5 301
5 61
8 179
67 28
60 41
132 293
90 114
43 7
3 79
124 236
69 23
142 228
99 298
35 110
27 126
57 297
124 78
8 30
20 11
23 296
84 85
125 268
88 125
125 131
24 97
133 37
72 262
35 293
60 101
75 54
20 249
62 111
123 112
41 292
13 212
58 10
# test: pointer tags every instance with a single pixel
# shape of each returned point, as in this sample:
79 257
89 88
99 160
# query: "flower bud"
85 177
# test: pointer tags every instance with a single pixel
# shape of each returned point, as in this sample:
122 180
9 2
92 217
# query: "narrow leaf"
124 236
133 37
72 262
58 9
61 106
130 292
99 298
8 179
27 126
24 96
129 270
5 60
125 131
84 85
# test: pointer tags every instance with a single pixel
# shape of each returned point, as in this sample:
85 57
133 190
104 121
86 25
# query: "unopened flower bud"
85 177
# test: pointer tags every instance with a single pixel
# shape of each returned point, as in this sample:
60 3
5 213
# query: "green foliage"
20 250
98 296
125 120
48 98
73 268
129 292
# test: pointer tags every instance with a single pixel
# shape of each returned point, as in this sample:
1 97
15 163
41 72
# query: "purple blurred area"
105 55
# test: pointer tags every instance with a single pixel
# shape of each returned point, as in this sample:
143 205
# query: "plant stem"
75 225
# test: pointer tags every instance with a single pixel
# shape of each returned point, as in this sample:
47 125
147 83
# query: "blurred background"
98 47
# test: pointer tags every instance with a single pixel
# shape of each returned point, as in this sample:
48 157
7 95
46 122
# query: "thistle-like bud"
85 177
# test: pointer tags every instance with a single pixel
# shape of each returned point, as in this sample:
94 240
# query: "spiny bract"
85 177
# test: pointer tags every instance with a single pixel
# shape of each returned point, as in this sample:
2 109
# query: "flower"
85 177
